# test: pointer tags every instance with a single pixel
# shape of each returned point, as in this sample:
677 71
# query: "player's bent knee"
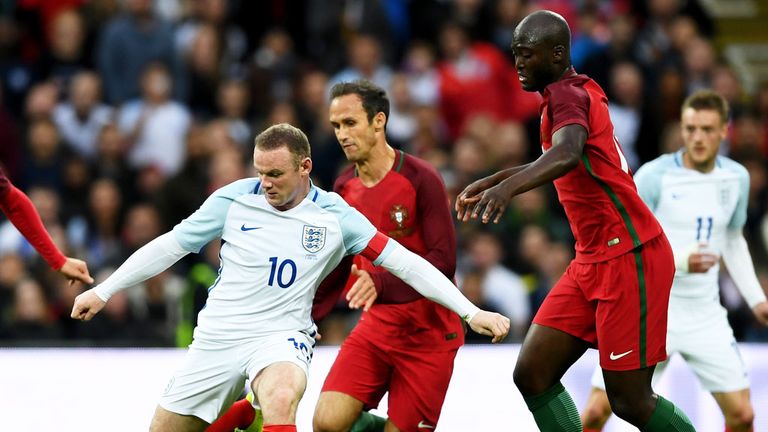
528 381
596 415
742 416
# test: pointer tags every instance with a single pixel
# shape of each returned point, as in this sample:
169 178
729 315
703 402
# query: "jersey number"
280 270
703 233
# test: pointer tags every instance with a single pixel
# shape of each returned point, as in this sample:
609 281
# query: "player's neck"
376 166
703 168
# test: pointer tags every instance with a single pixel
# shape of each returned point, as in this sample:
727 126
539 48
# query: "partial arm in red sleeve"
438 233
23 215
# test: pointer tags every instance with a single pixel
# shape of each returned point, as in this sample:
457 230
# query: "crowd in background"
118 118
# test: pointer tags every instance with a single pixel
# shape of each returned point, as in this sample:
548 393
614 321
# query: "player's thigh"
711 351
417 390
633 294
167 421
735 406
362 369
205 383
336 411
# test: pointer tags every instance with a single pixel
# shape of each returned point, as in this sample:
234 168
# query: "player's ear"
305 166
558 53
379 121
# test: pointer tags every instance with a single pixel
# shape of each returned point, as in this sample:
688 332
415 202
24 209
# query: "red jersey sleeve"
568 104
437 232
5 184
22 214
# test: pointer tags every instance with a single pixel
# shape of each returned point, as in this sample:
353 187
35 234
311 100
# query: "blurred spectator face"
468 158
142 224
364 54
485 251
726 83
226 167
282 112
622 31
399 92
702 130
483 129
105 199
511 144
213 11
420 58
699 56
43 140
534 243
46 201
12 270
233 99
41 101
354 132
278 43
205 52
663 9
682 30
558 258
453 42
472 288
217 137
139 8
67 34
531 203
29 303
156 84
508 12
85 92
627 84
110 143
313 90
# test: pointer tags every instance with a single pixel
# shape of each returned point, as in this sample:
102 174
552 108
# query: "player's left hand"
75 269
87 305
363 291
761 312
489 203
490 324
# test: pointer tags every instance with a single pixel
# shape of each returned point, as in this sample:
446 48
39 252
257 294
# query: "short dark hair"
374 98
708 100
283 134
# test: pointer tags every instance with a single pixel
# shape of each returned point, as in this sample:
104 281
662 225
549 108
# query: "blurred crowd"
118 118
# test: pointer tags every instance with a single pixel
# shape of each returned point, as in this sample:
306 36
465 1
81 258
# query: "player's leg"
167 421
417 389
562 330
279 388
737 410
357 381
598 408
632 330
242 415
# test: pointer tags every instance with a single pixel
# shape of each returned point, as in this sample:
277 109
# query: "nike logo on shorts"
618 356
423 425
244 228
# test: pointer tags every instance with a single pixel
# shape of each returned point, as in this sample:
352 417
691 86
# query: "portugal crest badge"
313 238
399 214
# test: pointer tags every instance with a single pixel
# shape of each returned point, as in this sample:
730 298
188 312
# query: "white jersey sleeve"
739 217
648 182
207 222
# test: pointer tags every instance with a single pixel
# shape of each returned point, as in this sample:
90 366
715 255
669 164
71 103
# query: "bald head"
544 28
541 44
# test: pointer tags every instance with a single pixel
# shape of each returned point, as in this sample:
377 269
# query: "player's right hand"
363 291
490 324
701 262
466 200
75 269
87 305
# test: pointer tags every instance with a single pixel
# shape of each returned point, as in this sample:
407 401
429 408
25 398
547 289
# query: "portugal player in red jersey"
405 343
19 210
614 294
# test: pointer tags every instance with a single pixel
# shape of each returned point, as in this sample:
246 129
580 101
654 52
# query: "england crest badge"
313 238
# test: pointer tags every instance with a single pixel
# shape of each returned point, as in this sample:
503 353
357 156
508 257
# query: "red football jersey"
409 205
606 214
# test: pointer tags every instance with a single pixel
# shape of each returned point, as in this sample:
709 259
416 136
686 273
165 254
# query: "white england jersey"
695 208
271 261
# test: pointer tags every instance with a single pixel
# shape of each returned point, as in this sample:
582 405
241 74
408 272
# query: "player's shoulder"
574 86
415 167
660 166
246 186
328 201
731 166
344 177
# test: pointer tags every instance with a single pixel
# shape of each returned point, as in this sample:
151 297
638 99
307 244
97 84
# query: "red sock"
240 415
728 429
586 429
279 428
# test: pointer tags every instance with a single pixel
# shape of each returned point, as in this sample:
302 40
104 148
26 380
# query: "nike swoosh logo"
423 425
618 356
244 228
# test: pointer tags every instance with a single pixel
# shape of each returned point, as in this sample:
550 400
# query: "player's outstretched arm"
561 158
464 206
432 284
75 269
739 263
150 260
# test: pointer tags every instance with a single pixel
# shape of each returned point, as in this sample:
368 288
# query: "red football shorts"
619 305
416 381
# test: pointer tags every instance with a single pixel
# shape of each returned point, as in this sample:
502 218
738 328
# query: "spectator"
81 118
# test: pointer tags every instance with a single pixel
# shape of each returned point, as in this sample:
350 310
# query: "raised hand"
363 291
75 269
490 324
